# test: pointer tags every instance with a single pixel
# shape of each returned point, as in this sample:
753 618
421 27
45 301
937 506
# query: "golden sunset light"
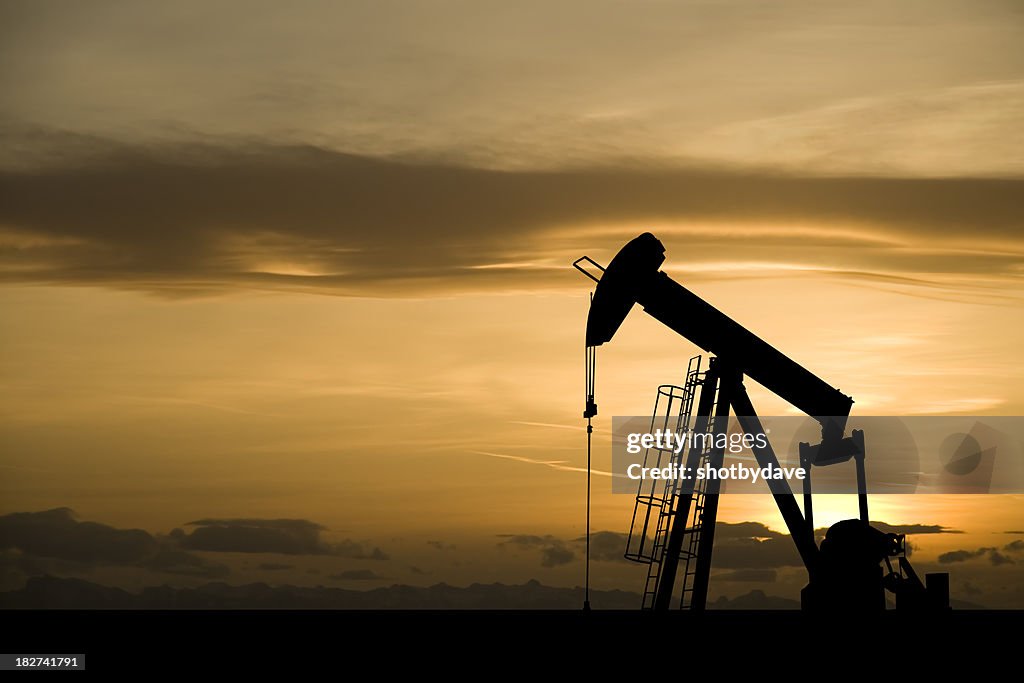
287 294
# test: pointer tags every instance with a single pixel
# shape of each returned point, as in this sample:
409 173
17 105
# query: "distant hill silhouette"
755 599
49 592
52 592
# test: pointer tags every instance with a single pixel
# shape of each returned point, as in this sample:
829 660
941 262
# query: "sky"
311 263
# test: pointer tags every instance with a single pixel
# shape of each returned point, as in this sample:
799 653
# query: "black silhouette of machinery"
675 525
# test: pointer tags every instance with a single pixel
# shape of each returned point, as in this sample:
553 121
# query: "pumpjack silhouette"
674 521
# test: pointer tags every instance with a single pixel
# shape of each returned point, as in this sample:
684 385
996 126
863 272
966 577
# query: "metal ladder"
695 519
659 502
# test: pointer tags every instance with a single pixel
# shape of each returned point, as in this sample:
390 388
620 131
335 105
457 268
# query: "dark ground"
363 643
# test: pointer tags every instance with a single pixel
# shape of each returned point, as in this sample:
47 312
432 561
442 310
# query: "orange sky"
315 264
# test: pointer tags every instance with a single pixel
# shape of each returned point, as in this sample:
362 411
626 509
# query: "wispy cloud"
304 219
559 465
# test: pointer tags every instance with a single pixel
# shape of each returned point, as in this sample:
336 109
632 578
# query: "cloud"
969 588
357 550
556 556
356 575
441 545
528 540
286 536
746 530
741 545
605 546
995 557
174 561
907 529
914 529
283 536
838 86
214 219
274 566
747 575
56 534
560 465
961 555
752 549
752 545
952 125
554 552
